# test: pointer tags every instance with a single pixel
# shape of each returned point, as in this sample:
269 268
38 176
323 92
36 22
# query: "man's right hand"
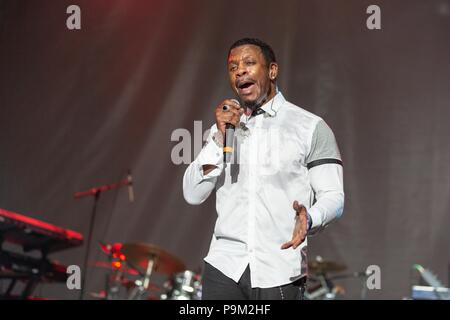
233 115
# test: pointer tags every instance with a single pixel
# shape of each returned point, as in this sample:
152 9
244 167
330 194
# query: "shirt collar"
272 106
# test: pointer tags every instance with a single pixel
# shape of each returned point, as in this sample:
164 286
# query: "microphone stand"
96 191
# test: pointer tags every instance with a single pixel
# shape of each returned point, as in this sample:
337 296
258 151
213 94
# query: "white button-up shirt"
282 155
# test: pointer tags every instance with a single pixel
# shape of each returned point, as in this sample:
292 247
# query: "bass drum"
184 285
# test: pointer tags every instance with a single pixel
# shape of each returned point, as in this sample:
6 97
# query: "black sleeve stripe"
319 162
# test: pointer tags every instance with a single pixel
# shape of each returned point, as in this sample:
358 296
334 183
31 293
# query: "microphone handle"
229 139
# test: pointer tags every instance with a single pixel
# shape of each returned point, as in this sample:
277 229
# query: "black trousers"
217 286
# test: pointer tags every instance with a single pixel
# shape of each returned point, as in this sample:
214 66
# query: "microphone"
130 187
229 137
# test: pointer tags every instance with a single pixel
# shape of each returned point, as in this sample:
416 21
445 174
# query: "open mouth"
245 86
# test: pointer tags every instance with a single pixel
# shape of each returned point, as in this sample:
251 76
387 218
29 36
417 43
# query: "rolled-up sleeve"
196 185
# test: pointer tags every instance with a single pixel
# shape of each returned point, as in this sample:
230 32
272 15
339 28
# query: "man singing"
284 182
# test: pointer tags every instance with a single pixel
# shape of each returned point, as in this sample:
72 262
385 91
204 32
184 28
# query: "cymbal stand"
143 284
95 192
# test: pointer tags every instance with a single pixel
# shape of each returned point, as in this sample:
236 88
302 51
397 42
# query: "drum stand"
324 292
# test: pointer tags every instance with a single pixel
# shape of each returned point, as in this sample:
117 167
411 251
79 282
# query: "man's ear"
273 71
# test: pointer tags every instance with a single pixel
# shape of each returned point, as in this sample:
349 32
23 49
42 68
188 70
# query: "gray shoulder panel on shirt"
324 148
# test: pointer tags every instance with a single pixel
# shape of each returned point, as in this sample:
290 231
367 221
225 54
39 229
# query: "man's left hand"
300 229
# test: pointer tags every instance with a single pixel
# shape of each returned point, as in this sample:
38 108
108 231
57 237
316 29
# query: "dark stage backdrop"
80 107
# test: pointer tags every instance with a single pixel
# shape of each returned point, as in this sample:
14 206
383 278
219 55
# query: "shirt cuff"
309 220
211 154
314 221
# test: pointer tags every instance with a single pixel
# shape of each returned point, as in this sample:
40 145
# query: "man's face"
249 75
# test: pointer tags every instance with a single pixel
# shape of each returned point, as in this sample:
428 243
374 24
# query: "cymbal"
139 254
320 266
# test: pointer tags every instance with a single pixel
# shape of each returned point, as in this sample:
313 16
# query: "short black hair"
267 51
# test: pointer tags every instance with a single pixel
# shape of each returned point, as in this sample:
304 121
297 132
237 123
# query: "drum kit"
131 266
320 283
322 275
